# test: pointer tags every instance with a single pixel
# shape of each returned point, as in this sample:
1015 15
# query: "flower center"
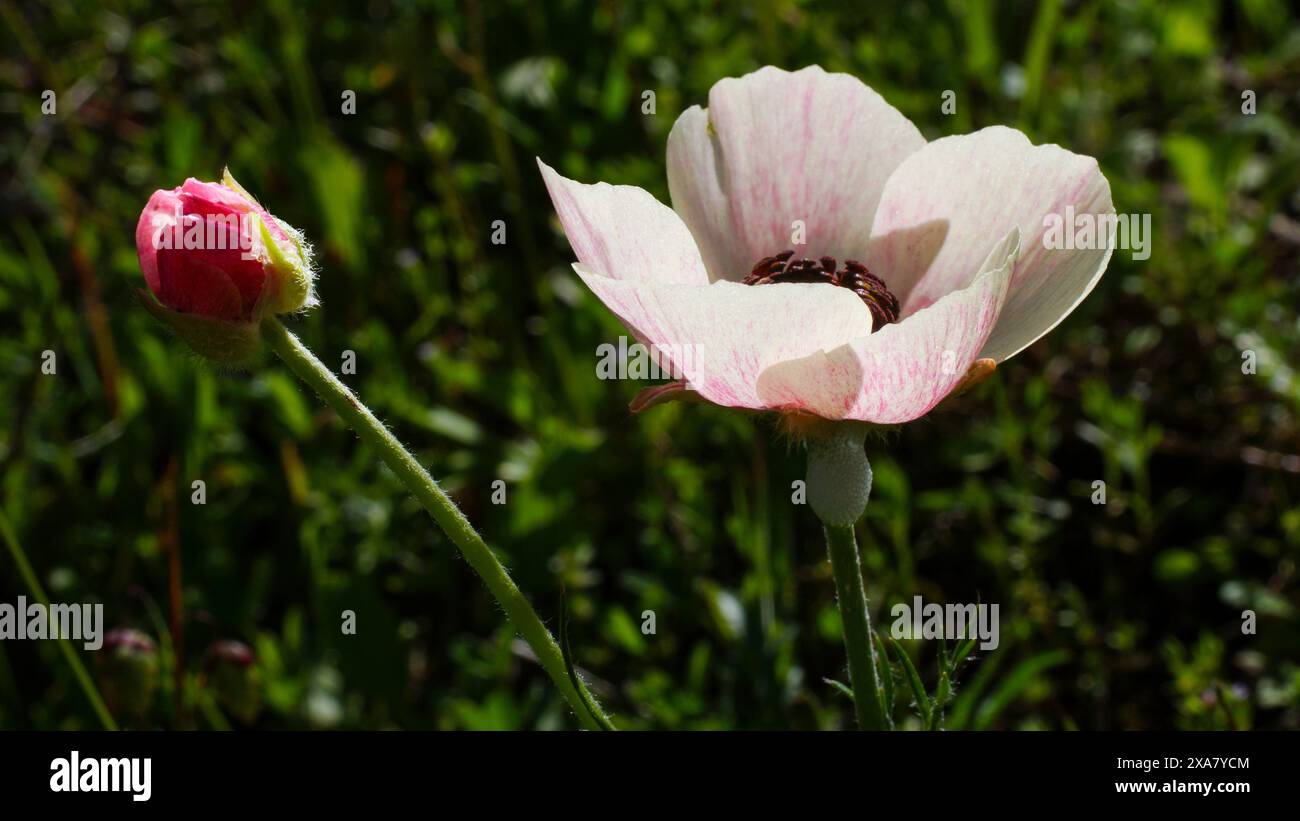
853 275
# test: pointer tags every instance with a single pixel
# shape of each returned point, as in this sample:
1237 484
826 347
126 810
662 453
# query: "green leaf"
840 686
960 655
918 689
1194 161
944 691
886 677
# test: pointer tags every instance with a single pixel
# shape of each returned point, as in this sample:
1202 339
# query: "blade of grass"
1014 684
1036 54
963 706
597 715
34 586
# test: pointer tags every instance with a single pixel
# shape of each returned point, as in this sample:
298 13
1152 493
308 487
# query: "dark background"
482 358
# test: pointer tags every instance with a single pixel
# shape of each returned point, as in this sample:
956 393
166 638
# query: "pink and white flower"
950 271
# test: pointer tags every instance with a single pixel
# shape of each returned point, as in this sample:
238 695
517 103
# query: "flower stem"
443 510
867 693
69 653
839 485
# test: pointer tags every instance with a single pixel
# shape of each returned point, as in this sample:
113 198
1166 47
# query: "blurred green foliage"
1126 615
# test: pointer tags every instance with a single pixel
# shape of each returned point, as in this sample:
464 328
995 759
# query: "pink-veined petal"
720 337
624 232
776 147
903 370
946 202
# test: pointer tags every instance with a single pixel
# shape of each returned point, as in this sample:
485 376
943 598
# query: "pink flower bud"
217 262
209 249
128 668
230 672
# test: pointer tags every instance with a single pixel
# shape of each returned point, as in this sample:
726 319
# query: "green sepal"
228 180
227 342
288 281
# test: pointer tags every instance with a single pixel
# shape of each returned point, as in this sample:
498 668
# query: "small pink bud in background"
128 671
231 674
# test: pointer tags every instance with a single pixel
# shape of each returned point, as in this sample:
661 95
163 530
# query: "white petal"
776 147
720 337
903 370
945 203
624 232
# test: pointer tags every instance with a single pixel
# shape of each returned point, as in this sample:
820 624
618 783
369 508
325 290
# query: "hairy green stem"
839 485
867 692
443 510
34 587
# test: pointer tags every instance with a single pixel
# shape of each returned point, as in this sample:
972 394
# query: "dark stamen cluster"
854 275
